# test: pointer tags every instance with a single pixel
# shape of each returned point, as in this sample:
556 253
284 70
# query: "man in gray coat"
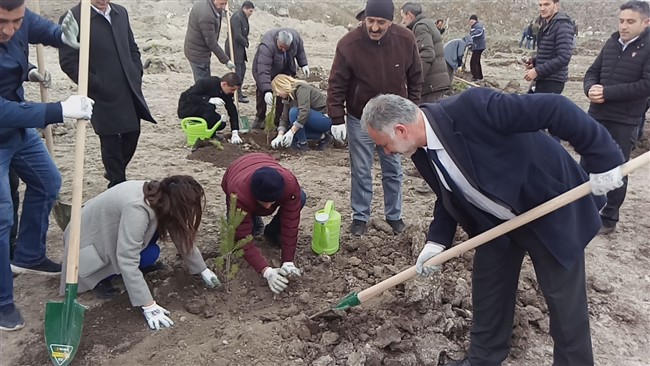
115 84
202 37
427 35
277 53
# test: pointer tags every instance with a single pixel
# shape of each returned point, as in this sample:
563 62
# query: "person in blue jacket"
21 147
487 159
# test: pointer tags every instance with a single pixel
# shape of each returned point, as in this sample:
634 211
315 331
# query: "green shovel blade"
63 325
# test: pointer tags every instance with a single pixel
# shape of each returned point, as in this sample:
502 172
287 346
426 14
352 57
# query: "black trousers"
240 70
549 86
494 291
117 152
475 65
625 136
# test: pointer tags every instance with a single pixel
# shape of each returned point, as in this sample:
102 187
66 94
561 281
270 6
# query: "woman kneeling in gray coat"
119 229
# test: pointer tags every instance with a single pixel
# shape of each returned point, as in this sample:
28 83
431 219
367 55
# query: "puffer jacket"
202 36
477 32
625 77
434 69
269 60
554 48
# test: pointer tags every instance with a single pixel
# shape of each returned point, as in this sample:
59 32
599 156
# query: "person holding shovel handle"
21 147
487 159
119 229
263 186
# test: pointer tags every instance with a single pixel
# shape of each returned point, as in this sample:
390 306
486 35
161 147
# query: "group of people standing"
486 155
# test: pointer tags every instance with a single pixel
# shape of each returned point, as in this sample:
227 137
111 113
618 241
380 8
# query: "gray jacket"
202 36
115 227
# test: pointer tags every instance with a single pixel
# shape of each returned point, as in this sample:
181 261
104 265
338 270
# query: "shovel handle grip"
523 219
72 267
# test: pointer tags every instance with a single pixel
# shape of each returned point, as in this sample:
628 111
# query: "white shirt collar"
108 10
433 142
625 44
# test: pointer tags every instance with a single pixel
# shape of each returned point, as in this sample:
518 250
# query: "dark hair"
440 20
10 5
247 5
231 79
178 203
641 7
413 8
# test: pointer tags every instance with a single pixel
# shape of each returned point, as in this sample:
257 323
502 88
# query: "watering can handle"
329 206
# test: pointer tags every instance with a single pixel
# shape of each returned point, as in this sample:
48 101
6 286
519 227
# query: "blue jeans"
149 255
361 158
30 160
317 124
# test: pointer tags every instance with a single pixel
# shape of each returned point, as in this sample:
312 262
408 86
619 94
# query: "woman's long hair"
287 84
178 203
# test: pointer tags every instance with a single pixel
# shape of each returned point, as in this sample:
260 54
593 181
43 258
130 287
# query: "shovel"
60 210
355 299
244 123
64 320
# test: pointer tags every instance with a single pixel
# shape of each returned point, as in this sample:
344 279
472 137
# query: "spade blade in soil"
62 213
338 311
63 325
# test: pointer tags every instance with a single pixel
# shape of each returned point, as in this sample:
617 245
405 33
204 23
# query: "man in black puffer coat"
550 69
618 86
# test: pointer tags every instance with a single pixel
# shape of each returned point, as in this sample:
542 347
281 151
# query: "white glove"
70 30
340 132
45 79
78 107
230 65
287 138
235 139
276 142
429 251
601 183
156 316
210 278
290 269
276 277
305 70
217 102
268 98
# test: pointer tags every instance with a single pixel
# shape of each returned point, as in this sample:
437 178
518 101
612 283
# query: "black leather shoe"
397 225
606 229
105 290
358 227
463 362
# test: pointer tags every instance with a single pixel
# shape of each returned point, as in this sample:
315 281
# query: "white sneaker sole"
17 327
21 270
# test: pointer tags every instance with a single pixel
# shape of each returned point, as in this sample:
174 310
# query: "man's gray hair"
285 37
413 8
385 111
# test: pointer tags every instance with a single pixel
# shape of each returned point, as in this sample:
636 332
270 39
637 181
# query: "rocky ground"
421 322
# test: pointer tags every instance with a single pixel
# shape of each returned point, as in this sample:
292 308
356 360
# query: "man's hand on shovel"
429 251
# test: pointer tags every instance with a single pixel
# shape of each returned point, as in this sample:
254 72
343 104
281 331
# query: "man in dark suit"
483 154
239 27
115 84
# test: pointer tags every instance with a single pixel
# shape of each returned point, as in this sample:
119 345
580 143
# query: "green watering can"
327 230
197 128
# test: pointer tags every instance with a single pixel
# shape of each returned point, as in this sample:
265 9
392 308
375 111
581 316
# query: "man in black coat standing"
115 84
483 154
618 86
240 29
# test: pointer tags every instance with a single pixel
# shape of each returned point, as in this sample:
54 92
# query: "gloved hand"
601 183
268 98
305 70
78 107
230 65
276 277
210 278
429 251
276 142
45 78
340 132
287 138
156 316
217 102
290 269
70 29
235 139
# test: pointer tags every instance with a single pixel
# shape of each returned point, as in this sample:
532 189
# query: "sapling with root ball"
229 249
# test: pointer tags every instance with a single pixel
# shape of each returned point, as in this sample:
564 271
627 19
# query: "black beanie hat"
473 17
380 9
267 184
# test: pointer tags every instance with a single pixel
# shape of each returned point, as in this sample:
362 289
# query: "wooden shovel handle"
232 53
466 82
40 61
80 145
523 219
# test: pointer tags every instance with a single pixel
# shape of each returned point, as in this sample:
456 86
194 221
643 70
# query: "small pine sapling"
229 249
269 122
